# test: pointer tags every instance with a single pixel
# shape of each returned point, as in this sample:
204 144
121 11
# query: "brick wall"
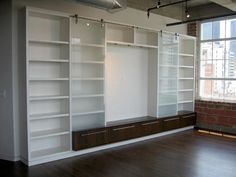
192 29
216 116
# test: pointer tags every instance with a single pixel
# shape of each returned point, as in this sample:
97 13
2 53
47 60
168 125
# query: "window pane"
206 68
230 90
218 60
231 50
230 68
218 89
206 30
218 68
231 28
218 29
205 88
219 50
206 51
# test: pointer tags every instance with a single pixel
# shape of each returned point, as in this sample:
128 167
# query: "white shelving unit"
67 80
87 72
186 74
175 74
47 84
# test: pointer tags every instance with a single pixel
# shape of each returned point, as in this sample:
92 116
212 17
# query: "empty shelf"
48 152
87 96
51 60
48 79
35 98
131 44
48 133
48 41
87 113
88 78
88 45
88 62
48 116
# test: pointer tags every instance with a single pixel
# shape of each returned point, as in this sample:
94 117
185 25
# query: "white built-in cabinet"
175 74
48 84
66 79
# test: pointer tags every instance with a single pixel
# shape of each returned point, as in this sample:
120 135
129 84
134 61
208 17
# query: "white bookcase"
186 75
66 74
175 74
48 83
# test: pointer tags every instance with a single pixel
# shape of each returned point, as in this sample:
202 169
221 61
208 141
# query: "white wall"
6 83
16 71
126 82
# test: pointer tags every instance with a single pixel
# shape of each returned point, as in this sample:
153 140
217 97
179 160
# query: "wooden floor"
185 154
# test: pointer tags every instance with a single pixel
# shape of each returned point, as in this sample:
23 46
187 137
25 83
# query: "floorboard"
185 154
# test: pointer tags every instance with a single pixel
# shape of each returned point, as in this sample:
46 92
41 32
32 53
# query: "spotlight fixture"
187 13
186 10
158 4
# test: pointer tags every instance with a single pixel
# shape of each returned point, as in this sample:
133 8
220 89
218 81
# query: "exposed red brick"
233 107
211 106
216 113
219 107
192 29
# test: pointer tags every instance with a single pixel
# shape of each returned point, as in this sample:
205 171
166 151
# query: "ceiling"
198 2
197 8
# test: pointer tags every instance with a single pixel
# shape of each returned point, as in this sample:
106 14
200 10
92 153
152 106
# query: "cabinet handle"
171 119
123 128
94 133
150 123
185 117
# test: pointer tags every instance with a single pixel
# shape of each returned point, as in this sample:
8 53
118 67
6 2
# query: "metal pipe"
165 5
200 19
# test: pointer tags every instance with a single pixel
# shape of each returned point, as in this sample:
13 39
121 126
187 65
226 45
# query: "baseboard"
9 157
215 130
104 147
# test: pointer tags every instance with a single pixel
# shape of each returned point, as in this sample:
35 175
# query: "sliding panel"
167 74
87 72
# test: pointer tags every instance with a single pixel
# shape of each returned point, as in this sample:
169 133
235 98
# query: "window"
218 60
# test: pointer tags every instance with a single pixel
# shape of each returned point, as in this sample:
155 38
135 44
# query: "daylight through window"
218 60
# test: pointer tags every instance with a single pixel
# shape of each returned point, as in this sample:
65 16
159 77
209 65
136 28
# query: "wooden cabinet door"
188 120
123 132
87 139
171 123
148 128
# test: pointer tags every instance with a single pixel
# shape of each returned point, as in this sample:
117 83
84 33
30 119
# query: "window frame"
199 78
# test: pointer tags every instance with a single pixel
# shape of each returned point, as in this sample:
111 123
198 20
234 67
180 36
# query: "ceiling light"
186 10
87 24
187 14
158 4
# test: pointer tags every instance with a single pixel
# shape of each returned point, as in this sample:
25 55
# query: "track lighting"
160 5
186 10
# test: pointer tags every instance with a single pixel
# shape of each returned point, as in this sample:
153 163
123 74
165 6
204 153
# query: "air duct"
109 5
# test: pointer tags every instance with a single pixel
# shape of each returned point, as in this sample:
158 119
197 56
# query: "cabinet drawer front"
188 120
149 128
171 124
89 139
123 133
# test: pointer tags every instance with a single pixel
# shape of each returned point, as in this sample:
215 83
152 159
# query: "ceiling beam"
200 19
